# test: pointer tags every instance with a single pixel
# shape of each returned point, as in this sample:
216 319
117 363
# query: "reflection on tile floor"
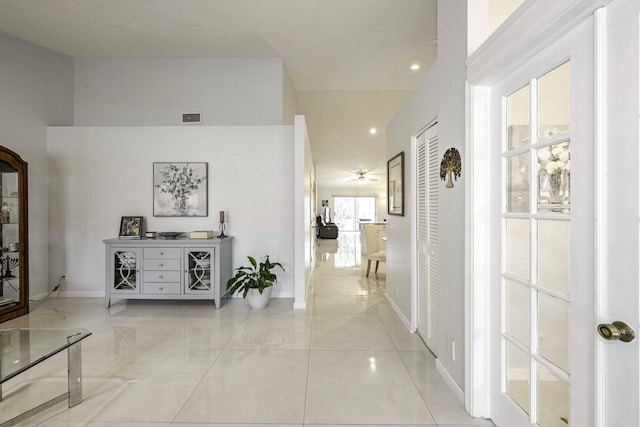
347 360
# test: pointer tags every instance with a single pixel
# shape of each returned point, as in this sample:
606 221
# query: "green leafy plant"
256 276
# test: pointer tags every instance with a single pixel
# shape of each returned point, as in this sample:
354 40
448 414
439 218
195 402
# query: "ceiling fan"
362 177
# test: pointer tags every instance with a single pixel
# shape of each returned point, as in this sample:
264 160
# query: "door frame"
531 29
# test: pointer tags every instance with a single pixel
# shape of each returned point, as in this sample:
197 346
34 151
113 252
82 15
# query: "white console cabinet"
167 269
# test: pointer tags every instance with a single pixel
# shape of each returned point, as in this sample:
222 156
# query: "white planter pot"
257 300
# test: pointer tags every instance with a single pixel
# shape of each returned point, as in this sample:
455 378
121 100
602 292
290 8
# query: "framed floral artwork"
180 189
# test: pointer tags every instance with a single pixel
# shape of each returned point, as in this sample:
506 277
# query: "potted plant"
255 282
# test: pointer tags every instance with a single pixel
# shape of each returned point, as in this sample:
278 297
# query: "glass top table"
21 349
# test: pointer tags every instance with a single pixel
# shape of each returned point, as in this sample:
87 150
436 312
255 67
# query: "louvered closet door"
427 217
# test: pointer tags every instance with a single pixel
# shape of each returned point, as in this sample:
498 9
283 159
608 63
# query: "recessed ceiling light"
373 131
415 67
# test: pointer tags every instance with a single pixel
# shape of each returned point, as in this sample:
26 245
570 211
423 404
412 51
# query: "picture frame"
180 189
131 227
395 185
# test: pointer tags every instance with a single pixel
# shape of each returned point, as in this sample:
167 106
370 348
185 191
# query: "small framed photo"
131 227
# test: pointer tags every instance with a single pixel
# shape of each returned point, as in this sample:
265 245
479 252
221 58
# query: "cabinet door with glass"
200 275
125 270
14 265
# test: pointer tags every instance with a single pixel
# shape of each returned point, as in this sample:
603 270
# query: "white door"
618 362
428 177
543 265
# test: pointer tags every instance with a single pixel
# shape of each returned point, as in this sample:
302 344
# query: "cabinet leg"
109 302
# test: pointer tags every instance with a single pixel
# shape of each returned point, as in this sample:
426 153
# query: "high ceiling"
348 59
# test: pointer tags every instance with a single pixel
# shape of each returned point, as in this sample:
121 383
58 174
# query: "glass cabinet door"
200 264
125 266
13 236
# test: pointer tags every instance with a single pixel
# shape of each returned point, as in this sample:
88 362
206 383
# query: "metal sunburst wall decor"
451 165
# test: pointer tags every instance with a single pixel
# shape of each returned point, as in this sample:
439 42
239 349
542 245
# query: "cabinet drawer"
162 253
161 288
161 264
161 276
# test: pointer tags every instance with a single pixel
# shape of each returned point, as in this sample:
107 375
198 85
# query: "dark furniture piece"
14 237
325 231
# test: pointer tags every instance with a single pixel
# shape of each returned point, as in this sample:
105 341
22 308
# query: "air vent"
191 118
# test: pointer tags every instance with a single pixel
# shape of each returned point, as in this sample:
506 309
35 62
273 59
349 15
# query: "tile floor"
347 360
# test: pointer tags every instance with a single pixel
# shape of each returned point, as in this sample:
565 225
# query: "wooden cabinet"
167 269
14 237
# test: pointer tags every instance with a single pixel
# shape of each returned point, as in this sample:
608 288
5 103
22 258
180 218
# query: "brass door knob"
616 331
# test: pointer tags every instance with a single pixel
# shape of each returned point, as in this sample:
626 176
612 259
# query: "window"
349 211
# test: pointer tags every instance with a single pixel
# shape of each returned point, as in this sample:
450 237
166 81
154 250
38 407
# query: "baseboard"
281 295
399 312
80 294
38 297
99 294
300 305
453 385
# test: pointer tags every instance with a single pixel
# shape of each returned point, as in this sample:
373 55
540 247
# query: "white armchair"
371 247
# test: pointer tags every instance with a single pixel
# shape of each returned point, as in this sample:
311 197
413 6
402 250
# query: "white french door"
566 216
427 210
543 282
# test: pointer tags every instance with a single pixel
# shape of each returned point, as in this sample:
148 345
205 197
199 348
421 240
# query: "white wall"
36 91
485 17
304 180
155 92
98 174
329 193
440 95
289 99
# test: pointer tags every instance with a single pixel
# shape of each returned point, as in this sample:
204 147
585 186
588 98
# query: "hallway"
353 320
346 361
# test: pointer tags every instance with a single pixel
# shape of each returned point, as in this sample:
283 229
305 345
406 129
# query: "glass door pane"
554 97
344 215
349 211
9 227
198 270
554 176
536 231
518 118
553 255
518 387
125 264
553 399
